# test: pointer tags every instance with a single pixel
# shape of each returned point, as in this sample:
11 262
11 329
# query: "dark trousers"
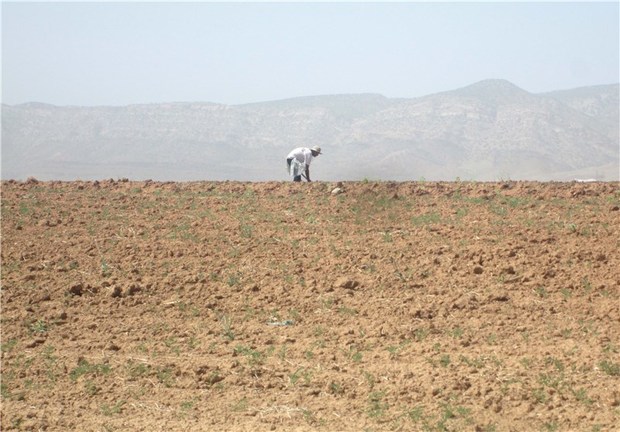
296 178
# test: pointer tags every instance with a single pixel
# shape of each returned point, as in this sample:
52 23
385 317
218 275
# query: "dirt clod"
345 282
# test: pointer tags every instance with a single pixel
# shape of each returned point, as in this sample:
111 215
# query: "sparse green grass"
38 327
110 410
355 355
610 368
227 330
426 219
302 373
347 311
240 406
86 368
336 388
476 363
8 345
165 376
444 360
541 291
377 407
254 357
396 350
421 334
582 396
137 370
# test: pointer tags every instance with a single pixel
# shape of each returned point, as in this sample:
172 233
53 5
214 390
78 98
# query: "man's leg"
295 168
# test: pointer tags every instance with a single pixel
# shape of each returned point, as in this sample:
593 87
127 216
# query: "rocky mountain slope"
487 131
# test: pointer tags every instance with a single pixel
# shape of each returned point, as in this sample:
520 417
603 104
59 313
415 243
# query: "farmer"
298 162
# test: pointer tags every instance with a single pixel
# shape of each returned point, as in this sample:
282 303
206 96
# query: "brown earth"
145 306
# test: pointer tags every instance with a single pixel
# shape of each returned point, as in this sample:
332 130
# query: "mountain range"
487 131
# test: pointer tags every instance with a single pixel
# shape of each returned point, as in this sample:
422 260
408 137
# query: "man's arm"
308 173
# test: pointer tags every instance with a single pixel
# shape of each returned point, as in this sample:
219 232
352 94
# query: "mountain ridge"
484 131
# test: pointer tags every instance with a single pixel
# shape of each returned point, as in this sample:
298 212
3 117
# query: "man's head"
316 150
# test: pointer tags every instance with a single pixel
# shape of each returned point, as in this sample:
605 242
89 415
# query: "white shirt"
302 154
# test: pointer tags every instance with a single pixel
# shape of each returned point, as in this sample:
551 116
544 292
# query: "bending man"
298 162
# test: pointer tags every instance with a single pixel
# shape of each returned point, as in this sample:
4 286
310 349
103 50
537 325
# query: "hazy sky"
87 53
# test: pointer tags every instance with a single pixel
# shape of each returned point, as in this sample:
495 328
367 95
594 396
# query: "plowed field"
209 306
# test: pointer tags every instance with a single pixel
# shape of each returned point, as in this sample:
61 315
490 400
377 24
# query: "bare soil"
146 306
